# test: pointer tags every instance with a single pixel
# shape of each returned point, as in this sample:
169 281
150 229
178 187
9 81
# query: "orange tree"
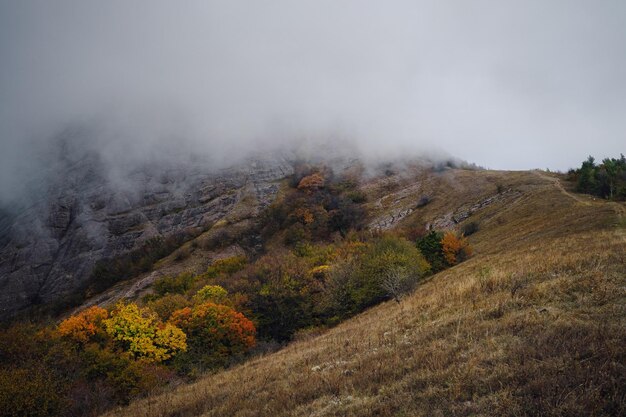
82 327
311 182
215 332
455 249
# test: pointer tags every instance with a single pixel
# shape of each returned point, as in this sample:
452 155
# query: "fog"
504 84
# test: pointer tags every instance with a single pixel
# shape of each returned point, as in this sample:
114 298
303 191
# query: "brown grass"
534 324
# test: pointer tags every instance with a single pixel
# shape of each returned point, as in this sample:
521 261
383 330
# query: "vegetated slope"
533 324
86 225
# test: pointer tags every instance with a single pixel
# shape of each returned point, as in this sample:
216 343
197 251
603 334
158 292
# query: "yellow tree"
140 332
212 293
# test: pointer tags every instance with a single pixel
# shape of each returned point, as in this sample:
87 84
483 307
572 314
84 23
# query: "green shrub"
469 228
178 284
31 392
226 266
430 246
384 255
357 196
167 304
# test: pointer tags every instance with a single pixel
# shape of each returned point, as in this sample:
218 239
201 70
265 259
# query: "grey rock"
50 244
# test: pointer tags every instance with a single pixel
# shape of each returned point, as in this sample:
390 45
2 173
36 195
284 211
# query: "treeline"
606 180
320 267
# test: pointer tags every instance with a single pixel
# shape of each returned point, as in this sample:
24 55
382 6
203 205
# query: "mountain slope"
86 211
533 324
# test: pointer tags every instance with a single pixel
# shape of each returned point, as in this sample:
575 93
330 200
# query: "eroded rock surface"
81 214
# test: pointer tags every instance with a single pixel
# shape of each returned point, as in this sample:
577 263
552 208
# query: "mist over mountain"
312 208
506 85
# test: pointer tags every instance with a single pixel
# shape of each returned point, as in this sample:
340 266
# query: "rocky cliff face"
81 214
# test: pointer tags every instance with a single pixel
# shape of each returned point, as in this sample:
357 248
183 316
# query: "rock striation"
83 212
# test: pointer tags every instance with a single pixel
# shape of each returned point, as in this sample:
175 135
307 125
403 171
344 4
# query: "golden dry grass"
534 324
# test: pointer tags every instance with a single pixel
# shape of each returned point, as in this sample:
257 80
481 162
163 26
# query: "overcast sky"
505 84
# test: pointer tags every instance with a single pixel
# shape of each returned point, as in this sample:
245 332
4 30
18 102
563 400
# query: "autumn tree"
311 182
214 332
140 332
455 249
303 215
210 293
83 326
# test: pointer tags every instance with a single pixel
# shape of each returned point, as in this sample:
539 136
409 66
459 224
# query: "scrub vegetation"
332 318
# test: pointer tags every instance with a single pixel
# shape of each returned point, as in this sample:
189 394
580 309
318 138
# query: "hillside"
533 324
87 224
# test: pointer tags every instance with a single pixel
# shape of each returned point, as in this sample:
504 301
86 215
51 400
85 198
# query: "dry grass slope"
534 324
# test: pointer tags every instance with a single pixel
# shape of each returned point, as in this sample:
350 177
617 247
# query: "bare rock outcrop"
81 214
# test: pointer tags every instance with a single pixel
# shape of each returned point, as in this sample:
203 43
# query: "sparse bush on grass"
423 201
470 228
384 255
397 282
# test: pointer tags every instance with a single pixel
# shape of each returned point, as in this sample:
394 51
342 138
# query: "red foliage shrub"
214 329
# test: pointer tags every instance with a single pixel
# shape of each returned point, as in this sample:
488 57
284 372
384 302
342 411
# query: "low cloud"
508 85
